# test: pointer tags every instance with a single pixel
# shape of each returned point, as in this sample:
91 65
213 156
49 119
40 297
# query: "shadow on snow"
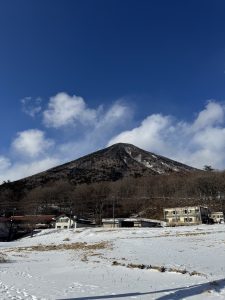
172 294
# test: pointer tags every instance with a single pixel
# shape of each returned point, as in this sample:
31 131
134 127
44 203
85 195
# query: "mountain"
110 164
142 190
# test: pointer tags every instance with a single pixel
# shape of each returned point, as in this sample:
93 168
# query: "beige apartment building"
189 215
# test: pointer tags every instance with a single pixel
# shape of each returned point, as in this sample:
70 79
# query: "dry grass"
72 246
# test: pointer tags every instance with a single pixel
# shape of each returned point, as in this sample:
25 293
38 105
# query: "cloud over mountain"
64 110
31 143
72 129
196 143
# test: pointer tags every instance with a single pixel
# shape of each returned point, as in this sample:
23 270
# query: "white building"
64 222
217 216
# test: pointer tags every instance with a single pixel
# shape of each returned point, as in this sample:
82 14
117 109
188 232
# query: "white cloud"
148 133
197 143
4 163
31 143
66 110
212 115
117 114
32 151
31 106
207 146
109 122
21 169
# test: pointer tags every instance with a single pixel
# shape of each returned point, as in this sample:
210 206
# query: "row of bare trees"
145 195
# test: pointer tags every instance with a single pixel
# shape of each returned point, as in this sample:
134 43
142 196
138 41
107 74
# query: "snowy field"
157 263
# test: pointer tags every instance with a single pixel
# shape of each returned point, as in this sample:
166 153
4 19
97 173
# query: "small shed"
131 222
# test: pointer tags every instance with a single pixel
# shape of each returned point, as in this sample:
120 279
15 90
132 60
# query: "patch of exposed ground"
54 247
3 258
198 233
158 268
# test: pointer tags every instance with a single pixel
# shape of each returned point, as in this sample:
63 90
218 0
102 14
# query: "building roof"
3 220
117 220
33 218
65 216
182 207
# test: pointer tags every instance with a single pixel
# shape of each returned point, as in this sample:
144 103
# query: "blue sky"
76 76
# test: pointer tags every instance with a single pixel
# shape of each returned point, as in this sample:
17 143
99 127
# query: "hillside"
137 178
110 164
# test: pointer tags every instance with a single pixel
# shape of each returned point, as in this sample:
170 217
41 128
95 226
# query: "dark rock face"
110 164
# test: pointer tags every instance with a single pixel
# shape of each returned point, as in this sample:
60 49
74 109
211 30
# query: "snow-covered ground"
142 263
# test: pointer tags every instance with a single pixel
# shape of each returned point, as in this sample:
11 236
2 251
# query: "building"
131 222
34 221
65 222
189 215
217 216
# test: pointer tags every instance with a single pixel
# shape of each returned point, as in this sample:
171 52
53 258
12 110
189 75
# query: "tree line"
146 196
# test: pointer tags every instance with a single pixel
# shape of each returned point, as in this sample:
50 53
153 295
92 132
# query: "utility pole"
70 218
113 211
10 229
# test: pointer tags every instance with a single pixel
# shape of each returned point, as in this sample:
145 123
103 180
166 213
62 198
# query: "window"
188 219
63 220
65 227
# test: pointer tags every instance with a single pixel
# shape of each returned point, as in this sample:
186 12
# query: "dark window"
127 224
